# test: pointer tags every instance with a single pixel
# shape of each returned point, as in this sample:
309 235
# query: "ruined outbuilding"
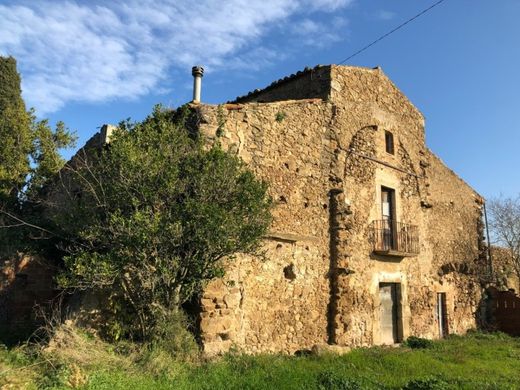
374 239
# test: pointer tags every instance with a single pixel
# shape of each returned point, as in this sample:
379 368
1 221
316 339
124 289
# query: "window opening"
388 217
389 142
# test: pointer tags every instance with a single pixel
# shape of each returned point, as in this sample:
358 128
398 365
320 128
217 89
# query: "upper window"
387 203
389 142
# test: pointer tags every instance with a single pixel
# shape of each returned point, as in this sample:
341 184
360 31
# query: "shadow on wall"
333 276
338 233
25 284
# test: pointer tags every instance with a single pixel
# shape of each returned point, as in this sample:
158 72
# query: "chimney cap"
197 71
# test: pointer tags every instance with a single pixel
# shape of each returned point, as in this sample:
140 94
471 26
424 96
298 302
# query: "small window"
389 142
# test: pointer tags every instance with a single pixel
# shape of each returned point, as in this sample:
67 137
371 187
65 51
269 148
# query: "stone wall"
504 269
319 278
326 163
280 302
25 283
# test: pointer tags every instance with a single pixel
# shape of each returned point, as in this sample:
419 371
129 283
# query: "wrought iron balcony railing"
394 238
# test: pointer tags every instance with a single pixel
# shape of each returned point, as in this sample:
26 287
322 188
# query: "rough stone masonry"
374 239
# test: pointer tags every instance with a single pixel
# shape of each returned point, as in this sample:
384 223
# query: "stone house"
374 239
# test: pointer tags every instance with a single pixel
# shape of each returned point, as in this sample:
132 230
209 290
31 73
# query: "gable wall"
319 161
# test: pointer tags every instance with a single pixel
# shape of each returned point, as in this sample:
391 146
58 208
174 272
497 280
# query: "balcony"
392 238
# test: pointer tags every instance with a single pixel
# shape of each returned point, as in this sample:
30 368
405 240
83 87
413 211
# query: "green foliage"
45 156
489 364
486 335
157 214
329 380
280 116
17 357
28 147
10 90
418 343
430 383
15 131
221 121
172 339
29 158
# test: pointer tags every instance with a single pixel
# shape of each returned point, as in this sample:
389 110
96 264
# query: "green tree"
152 216
15 131
29 158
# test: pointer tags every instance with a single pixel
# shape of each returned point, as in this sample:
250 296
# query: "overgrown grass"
475 361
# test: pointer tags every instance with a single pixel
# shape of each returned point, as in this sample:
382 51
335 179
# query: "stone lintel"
394 253
290 237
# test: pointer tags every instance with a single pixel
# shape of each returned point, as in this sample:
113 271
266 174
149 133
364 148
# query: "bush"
171 347
418 343
172 336
155 215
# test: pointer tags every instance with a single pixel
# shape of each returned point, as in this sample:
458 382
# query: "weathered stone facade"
320 139
504 269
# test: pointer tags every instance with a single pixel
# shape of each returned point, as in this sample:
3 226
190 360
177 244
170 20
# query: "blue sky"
94 62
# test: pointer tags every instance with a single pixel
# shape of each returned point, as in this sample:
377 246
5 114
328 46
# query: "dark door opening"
442 315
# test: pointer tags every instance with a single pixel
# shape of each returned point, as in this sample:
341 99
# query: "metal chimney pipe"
197 73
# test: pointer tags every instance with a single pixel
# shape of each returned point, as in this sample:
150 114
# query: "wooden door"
389 313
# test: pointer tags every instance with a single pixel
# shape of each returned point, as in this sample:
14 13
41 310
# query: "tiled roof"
278 82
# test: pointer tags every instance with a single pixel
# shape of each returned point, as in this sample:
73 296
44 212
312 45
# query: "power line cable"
392 31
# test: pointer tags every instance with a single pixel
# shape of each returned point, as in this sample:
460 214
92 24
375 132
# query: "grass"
475 361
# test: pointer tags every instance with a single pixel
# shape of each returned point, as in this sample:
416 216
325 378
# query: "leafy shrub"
159 210
172 336
418 343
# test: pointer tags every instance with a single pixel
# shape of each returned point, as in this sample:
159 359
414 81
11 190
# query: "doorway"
442 315
390 312
388 218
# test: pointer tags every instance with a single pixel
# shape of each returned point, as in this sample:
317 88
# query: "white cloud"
319 34
326 5
385 15
71 51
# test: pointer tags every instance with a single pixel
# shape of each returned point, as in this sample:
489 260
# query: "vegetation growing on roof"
280 116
